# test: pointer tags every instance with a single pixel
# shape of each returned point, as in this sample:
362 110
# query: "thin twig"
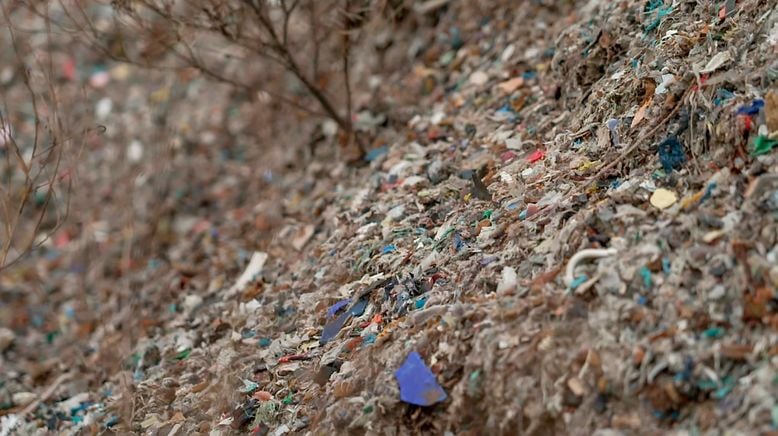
638 142
47 393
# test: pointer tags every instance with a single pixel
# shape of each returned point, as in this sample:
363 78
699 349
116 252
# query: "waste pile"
566 223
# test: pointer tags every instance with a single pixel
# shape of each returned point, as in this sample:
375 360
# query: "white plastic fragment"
191 302
716 62
103 108
667 80
135 151
255 266
589 253
508 280
73 402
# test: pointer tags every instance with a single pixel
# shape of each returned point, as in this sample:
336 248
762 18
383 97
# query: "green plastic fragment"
713 332
249 386
50 336
707 384
183 354
729 384
646 274
763 145
288 399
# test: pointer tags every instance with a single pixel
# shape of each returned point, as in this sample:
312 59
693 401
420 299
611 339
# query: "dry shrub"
39 143
294 52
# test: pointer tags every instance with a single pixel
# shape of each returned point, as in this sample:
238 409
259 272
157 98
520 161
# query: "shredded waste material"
567 222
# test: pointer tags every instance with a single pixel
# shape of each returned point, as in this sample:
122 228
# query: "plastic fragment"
99 78
763 145
588 253
458 243
332 328
508 280
671 153
388 249
716 62
751 109
613 124
505 113
536 156
376 153
248 386
661 12
417 383
531 210
713 332
663 198
724 390
646 274
667 80
722 95
578 281
112 421
253 269
666 265
332 310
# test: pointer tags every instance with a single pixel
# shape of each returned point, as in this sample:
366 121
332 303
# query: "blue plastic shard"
751 109
708 191
333 326
359 307
332 310
417 383
458 244
578 281
376 153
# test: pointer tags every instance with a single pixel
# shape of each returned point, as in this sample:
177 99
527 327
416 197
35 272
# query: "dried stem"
25 177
